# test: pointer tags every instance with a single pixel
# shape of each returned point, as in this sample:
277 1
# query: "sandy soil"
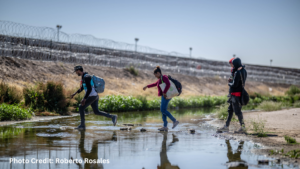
280 123
21 72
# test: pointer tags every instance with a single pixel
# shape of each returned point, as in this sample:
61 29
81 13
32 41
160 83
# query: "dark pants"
93 101
236 107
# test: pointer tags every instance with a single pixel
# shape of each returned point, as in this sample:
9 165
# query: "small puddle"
103 145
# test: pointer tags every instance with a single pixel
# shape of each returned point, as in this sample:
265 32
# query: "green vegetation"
290 140
132 70
293 154
258 126
270 106
14 112
297 104
47 97
9 94
128 103
293 90
8 132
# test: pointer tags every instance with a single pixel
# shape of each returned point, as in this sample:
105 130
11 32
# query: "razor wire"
38 43
9 28
45 50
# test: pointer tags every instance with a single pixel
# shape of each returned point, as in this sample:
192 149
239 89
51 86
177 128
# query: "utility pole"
191 51
58 28
136 40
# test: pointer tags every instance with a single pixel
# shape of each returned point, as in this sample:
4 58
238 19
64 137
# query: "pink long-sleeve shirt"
166 80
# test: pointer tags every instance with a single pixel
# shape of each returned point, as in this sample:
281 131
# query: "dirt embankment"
277 123
21 72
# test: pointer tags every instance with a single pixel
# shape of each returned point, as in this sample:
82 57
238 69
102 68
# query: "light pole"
58 28
271 62
191 51
136 40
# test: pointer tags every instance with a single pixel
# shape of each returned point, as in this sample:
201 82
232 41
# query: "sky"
254 30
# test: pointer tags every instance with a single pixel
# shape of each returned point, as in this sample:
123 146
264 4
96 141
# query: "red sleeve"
168 84
152 85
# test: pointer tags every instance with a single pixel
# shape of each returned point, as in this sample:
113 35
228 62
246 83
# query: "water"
116 149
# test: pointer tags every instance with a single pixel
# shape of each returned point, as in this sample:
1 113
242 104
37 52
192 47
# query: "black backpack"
177 84
245 96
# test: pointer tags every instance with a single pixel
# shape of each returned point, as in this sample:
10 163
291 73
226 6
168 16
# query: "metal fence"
17 43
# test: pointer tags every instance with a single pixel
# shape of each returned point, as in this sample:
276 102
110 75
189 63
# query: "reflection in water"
234 159
164 161
93 154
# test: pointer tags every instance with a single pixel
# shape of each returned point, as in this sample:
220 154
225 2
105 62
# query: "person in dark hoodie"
90 98
235 90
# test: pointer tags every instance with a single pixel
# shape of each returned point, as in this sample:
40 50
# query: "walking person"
235 90
164 101
90 98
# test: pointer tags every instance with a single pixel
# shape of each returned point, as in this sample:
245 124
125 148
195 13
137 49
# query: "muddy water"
57 145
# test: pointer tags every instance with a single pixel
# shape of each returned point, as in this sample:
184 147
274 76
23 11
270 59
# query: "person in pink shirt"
163 94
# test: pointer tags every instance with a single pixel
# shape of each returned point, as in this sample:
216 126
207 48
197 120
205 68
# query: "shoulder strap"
242 79
161 79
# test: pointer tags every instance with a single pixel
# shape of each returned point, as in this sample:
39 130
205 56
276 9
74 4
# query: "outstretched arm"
150 85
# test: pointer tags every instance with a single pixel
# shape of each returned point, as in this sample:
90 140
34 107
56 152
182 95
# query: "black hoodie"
236 84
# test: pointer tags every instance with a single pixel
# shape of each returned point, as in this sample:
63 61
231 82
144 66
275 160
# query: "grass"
131 69
9 94
50 97
297 104
293 154
290 140
270 106
258 126
14 112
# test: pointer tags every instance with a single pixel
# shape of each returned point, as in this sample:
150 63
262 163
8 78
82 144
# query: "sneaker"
80 127
115 119
163 129
175 124
223 129
242 130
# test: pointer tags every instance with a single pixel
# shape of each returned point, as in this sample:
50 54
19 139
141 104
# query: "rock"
20 127
192 131
125 128
263 161
143 130
128 124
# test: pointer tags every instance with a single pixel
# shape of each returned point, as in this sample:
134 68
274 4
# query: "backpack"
177 84
99 84
244 96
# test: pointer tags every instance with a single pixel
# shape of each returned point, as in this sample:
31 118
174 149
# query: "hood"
237 63
230 61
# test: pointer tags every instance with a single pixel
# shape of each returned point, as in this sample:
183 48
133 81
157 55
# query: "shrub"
47 97
293 90
14 112
293 153
9 94
289 140
132 70
119 103
270 106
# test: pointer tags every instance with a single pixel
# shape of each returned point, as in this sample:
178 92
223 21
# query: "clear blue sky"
254 30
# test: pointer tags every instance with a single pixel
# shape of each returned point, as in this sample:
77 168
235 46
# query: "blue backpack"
99 84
